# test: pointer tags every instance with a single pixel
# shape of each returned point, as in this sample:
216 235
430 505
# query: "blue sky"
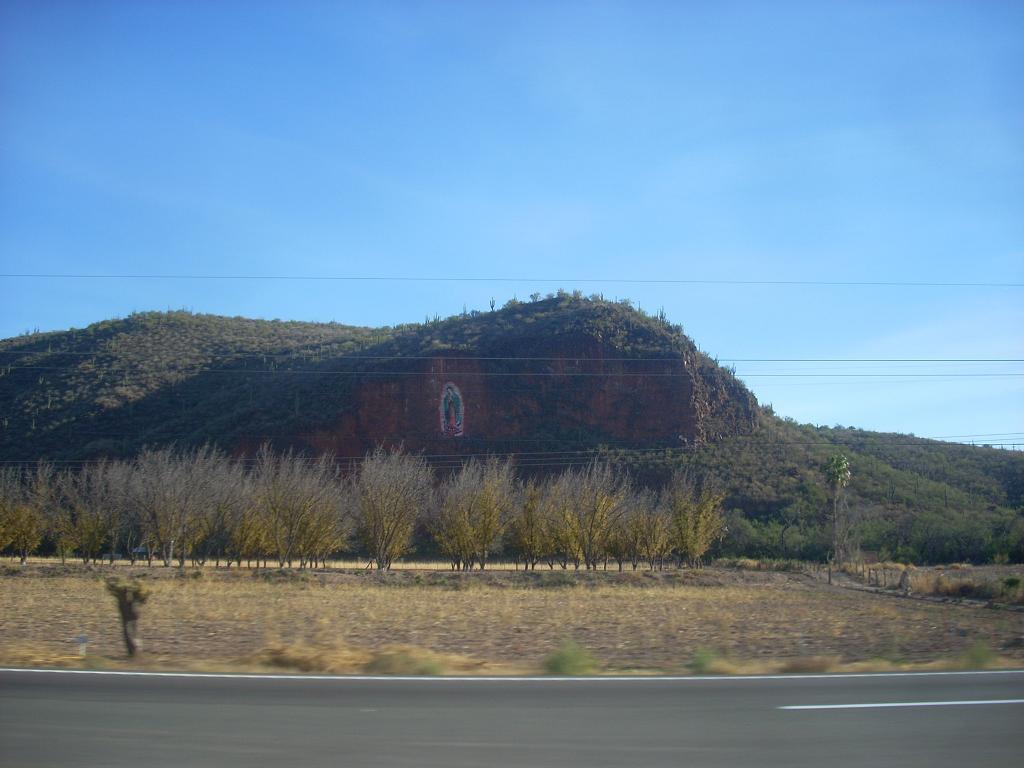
554 143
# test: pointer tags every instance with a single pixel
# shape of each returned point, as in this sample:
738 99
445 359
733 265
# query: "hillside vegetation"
911 499
177 378
157 378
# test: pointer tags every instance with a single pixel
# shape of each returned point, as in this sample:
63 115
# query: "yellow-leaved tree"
696 518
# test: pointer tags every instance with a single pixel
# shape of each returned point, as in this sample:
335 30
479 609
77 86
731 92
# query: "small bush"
31 655
299 657
978 656
704 662
966 588
769 564
401 661
570 660
746 563
282 576
558 579
1011 590
344 660
810 665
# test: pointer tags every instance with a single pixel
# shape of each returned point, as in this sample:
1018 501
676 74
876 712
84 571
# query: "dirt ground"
657 622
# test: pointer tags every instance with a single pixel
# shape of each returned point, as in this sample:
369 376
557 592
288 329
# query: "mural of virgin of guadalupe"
451 411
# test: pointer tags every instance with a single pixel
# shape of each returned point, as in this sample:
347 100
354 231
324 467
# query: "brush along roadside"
569 659
753 621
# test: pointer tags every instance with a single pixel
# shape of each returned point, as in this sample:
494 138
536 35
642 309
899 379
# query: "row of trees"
202 506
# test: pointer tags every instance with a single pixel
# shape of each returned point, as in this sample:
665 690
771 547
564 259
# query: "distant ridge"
553 381
565 370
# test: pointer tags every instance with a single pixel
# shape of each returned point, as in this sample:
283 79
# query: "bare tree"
22 519
618 545
527 534
222 481
654 530
597 502
122 524
493 507
247 535
392 490
61 532
89 509
154 493
475 507
326 529
168 490
300 502
11 494
628 539
452 526
129 596
561 525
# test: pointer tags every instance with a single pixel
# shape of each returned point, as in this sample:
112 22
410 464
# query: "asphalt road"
53 719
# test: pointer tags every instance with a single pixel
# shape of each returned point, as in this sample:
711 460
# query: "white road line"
506 679
884 705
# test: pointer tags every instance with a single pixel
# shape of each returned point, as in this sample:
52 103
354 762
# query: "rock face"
575 392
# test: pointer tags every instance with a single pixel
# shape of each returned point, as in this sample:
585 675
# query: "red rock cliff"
566 393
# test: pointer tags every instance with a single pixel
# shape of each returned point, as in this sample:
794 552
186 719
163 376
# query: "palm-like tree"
837 472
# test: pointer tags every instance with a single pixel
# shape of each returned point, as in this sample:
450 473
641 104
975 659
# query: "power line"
589 444
868 359
553 281
458 357
624 374
588 454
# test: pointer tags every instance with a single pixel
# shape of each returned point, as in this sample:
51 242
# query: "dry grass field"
714 620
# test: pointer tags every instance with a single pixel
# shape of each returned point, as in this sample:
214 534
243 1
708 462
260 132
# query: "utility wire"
1009 438
581 455
456 356
651 374
585 281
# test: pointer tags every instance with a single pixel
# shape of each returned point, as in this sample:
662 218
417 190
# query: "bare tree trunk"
835 528
129 596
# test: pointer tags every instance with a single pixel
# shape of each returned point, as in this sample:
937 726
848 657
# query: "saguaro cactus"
129 595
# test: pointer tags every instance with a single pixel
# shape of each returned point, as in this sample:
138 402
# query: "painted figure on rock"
451 411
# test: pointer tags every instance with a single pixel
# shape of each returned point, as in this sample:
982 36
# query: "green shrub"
966 588
703 662
558 579
978 656
810 665
1012 591
402 662
570 660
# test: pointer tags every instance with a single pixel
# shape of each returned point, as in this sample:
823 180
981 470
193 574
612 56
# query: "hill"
555 373
554 381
